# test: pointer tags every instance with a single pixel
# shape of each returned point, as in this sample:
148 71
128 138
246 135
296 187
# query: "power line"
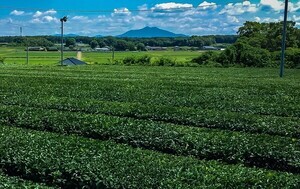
26 26
163 10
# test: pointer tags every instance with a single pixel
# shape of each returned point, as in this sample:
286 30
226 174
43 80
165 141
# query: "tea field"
17 56
100 126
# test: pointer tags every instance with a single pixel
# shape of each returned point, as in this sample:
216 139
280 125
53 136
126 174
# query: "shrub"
2 60
129 60
205 58
144 60
164 61
255 57
245 55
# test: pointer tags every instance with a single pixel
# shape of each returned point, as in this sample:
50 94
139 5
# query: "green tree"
140 47
70 42
93 44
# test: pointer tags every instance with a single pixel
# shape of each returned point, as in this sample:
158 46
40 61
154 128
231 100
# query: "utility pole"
284 38
21 31
26 43
113 55
62 20
27 52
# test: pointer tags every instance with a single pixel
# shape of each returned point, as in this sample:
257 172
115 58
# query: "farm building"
104 49
149 48
72 62
36 49
209 48
3 44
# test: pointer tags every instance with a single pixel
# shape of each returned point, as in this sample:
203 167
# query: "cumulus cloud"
239 8
45 19
207 6
274 4
17 13
80 18
171 5
205 19
232 19
121 12
257 19
296 18
49 12
49 19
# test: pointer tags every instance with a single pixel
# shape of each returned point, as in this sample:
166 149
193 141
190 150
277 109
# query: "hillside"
149 32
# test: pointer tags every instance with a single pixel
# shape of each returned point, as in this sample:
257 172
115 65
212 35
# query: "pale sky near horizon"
104 17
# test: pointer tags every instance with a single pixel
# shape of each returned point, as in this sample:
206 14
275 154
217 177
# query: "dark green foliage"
130 43
256 42
129 60
75 162
292 56
93 44
7 182
143 60
246 119
283 153
140 47
245 55
29 41
70 42
122 45
164 61
205 58
2 60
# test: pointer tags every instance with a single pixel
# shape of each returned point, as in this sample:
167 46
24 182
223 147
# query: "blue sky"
104 17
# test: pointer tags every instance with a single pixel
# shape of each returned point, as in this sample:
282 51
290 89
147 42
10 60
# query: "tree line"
258 45
120 44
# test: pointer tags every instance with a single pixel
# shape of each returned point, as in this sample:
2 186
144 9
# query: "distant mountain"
67 35
148 32
98 36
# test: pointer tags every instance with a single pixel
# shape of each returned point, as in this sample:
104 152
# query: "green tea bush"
2 60
76 162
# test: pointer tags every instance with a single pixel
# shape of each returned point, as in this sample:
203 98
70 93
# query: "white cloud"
36 20
49 19
296 19
274 4
277 5
49 12
80 18
257 19
239 8
17 13
171 5
232 19
37 14
270 20
121 12
206 5
45 19
206 18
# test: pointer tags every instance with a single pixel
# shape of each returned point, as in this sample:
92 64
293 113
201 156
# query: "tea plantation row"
8 182
220 119
75 162
283 153
237 93
148 127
